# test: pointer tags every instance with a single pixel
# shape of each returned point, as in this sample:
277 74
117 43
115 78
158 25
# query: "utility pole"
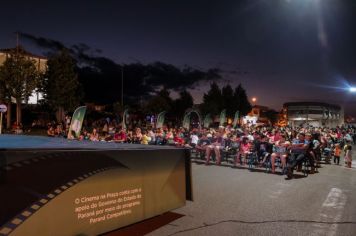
122 86
307 116
17 52
17 40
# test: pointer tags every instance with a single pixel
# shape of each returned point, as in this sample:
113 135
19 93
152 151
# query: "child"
337 152
145 139
348 156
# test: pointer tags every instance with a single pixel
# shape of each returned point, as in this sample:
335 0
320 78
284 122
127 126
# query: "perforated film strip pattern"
10 226
19 164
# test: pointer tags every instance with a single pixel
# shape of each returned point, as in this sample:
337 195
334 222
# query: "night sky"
280 50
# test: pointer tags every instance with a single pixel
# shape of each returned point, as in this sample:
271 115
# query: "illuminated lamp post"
254 112
254 100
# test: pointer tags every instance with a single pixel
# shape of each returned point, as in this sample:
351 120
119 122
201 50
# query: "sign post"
3 109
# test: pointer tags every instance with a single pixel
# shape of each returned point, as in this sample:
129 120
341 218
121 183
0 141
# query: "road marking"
334 199
331 211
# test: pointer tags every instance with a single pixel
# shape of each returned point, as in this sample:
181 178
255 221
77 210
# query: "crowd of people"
263 146
258 146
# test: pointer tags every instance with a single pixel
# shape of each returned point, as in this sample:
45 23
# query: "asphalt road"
240 202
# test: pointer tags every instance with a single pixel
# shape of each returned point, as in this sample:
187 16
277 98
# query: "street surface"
231 201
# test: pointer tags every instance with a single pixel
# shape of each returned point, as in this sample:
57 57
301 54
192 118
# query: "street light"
254 100
353 89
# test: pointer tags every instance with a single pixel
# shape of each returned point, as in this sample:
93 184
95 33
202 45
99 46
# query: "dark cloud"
101 76
43 42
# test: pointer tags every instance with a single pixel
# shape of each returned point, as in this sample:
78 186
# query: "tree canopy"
182 103
160 102
19 78
212 100
216 100
241 101
61 85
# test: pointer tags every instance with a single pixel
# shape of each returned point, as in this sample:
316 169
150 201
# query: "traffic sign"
3 108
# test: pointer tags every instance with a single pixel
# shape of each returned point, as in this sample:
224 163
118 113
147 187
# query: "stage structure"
53 186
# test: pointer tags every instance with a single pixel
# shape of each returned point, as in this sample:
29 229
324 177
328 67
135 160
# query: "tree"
160 102
272 116
117 108
5 97
181 104
240 101
19 78
227 100
212 101
61 86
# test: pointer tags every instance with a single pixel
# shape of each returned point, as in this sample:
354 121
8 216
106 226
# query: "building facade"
314 114
257 115
39 61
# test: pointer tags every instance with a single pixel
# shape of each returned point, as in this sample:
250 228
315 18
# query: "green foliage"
117 108
212 101
61 86
4 92
228 100
19 76
240 101
160 102
272 116
181 104
216 100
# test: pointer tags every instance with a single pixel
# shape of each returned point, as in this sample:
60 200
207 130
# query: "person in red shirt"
178 140
120 137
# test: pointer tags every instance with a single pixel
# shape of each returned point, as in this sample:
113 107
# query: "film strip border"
10 226
34 160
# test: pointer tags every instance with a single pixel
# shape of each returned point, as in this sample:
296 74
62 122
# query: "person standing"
67 122
337 152
348 156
